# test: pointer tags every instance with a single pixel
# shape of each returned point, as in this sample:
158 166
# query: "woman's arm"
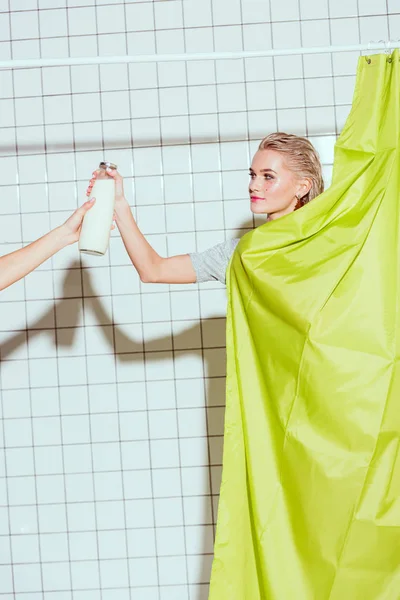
152 267
16 265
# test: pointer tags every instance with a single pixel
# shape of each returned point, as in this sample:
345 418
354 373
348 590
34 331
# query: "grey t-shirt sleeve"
211 264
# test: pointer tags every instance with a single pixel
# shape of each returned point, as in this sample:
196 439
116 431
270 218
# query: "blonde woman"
16 265
285 174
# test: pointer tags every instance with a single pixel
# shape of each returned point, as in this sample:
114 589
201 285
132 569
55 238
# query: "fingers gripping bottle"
96 226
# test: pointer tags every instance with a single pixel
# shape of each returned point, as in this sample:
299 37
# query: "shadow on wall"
213 462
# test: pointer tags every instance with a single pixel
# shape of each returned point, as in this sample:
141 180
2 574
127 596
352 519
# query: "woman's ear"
304 187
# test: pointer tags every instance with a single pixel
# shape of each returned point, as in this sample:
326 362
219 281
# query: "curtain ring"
388 52
384 42
387 49
367 58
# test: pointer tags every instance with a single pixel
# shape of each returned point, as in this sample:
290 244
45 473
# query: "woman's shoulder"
228 246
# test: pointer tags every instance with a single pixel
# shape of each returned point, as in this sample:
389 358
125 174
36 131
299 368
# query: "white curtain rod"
149 58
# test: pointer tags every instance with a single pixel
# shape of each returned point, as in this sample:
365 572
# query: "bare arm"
18 264
152 267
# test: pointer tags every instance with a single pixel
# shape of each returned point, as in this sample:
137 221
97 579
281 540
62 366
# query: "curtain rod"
150 58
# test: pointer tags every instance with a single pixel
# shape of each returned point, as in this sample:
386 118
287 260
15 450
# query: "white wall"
113 390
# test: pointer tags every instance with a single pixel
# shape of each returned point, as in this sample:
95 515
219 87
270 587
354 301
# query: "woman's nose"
255 184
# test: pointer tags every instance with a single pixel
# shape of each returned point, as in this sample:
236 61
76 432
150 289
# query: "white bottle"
96 226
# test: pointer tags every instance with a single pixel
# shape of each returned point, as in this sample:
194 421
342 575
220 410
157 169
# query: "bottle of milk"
96 226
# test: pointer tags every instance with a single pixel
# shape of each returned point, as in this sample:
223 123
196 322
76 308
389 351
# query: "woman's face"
273 187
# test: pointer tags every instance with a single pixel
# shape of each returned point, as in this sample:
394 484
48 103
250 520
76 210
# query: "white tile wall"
112 390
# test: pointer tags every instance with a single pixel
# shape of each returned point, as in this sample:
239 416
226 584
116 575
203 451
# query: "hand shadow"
134 352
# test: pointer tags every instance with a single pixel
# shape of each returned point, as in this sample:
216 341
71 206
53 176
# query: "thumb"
85 207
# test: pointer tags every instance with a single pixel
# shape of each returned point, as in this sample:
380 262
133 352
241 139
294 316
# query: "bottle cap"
107 165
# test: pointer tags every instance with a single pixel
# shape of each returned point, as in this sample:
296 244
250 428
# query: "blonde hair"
301 157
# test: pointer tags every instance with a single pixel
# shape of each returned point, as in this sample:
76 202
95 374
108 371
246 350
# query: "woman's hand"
73 225
119 185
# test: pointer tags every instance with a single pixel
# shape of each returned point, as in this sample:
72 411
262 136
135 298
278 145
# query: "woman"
16 265
285 174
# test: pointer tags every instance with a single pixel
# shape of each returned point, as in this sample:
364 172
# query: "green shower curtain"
310 496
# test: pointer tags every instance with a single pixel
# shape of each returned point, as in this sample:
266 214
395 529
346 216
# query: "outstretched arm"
16 265
152 267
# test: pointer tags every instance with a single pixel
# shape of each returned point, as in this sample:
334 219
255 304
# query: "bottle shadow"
131 351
